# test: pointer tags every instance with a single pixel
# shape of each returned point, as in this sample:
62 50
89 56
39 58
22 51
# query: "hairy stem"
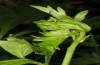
72 48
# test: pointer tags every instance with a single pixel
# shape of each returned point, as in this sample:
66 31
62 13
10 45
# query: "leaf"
54 13
64 22
17 47
75 24
10 18
49 42
57 14
55 30
44 9
42 51
46 25
18 62
61 11
81 15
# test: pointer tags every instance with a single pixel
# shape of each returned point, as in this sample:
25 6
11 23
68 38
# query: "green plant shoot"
56 29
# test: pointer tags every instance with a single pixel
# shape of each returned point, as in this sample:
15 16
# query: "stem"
34 62
72 48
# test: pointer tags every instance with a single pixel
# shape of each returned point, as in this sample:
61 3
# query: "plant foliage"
55 30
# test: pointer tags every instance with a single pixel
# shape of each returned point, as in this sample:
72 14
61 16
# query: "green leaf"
42 51
81 15
64 22
57 14
49 42
54 13
10 18
44 9
56 30
75 24
18 62
46 25
17 47
61 12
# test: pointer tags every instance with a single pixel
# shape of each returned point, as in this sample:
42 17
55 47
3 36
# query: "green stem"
72 48
36 62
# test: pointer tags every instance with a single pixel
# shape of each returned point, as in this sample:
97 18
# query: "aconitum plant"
54 31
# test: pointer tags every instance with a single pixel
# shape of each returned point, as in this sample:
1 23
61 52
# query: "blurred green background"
16 17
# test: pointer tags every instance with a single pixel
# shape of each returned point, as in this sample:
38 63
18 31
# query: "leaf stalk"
71 49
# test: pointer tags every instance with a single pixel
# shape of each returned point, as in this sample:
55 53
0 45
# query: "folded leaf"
81 15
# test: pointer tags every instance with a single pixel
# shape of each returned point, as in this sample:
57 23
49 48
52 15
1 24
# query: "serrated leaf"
54 40
57 14
81 15
49 43
18 62
17 47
